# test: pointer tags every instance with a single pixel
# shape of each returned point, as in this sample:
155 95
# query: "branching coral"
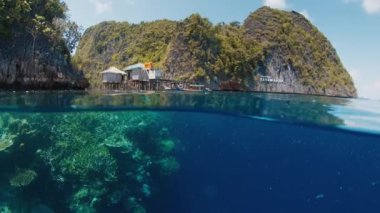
99 159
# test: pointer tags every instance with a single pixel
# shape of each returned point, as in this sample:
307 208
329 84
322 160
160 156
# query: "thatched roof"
113 70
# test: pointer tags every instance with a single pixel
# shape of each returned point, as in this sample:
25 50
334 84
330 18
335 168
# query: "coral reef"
6 142
92 160
168 165
166 146
23 178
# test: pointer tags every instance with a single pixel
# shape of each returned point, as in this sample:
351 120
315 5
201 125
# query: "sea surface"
185 152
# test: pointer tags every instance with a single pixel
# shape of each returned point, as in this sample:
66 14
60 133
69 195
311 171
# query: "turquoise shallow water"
361 115
188 152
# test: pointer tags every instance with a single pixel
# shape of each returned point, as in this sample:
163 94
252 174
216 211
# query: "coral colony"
92 160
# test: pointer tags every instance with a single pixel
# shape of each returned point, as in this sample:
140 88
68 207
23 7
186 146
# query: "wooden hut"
135 68
144 76
139 75
155 77
113 78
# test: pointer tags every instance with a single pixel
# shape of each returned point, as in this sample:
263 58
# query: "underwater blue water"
237 152
231 164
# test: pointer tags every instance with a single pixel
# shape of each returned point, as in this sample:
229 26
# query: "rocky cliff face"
273 51
296 54
46 68
36 38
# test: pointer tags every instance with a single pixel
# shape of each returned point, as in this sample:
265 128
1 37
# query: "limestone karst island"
271 51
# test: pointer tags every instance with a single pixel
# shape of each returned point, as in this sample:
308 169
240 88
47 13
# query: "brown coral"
6 142
23 178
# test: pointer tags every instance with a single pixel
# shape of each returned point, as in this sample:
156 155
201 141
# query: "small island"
272 51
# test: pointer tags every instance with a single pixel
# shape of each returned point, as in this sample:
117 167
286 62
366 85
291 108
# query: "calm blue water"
188 152
242 165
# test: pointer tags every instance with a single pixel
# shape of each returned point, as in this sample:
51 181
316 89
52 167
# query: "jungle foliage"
194 49
39 18
301 45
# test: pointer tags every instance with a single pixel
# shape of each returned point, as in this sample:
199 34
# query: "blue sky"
353 26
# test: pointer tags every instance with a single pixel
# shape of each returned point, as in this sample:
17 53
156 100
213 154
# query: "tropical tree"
69 31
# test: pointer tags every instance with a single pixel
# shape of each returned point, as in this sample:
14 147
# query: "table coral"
23 178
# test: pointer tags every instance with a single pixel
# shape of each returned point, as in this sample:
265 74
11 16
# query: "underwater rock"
23 178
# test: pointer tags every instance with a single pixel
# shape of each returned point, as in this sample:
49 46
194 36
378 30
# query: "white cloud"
370 90
279 4
367 88
102 6
371 6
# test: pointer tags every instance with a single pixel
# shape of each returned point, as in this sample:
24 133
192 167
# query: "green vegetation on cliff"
301 46
238 55
115 43
194 49
280 44
39 18
36 39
